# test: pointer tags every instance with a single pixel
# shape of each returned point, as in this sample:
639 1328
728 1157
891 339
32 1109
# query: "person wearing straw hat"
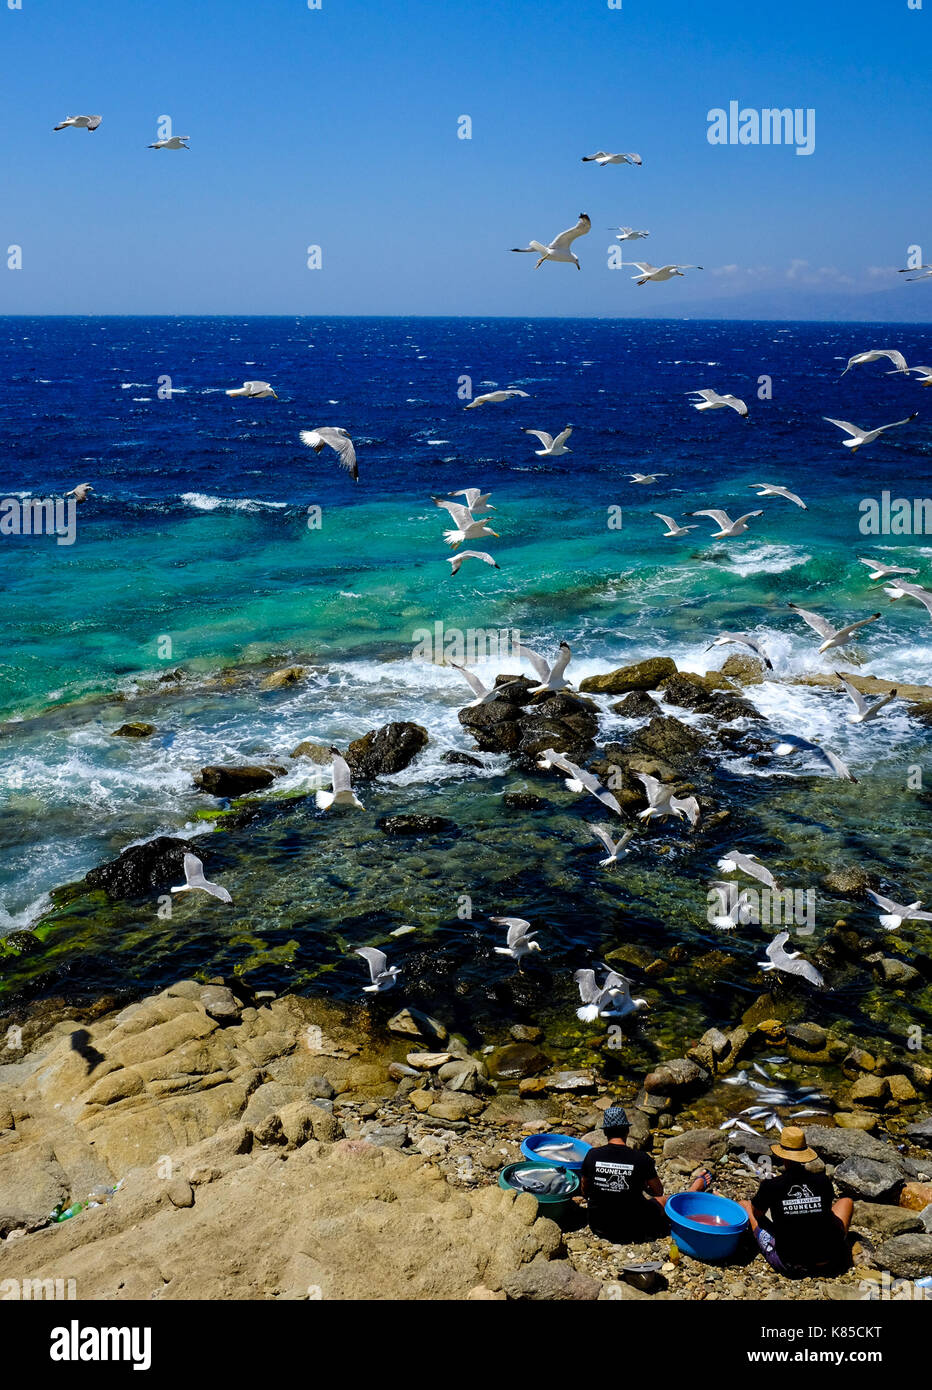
796 1219
624 1195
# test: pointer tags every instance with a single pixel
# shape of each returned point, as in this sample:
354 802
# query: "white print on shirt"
800 1201
612 1177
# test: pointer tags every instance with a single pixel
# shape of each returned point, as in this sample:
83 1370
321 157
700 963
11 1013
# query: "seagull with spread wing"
787 744
833 636
656 273
454 561
552 446
728 529
195 880
603 158
610 999
859 436
517 936
748 864
862 710
662 801
578 779
614 847
491 397
484 696
742 639
673 528
382 975
559 248
711 400
466 527
878 570
254 390
859 358
476 499
895 914
342 793
898 588
551 677
332 437
772 490
79 123
790 962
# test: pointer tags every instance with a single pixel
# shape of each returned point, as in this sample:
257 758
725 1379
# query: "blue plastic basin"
532 1143
696 1238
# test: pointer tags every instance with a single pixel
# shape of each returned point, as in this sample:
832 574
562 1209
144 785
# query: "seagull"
834 636
741 639
734 907
456 560
611 999
483 694
495 396
80 122
342 794
895 914
338 440
662 801
897 358
672 528
601 833
926 269
793 743
898 588
559 248
382 975
748 864
859 436
476 499
629 234
551 676
579 780
174 142
80 492
727 528
517 936
600 157
926 373
658 273
881 571
253 389
790 962
864 711
467 527
194 878
771 490
646 477
553 447
711 400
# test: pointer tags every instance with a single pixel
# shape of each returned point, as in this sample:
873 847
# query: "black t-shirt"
801 1220
617 1177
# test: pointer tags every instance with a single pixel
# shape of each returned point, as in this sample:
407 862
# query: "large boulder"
547 1281
907 1256
136 728
229 782
920 1133
865 1177
636 705
143 869
643 675
835 1145
516 1060
496 727
881 1222
383 751
668 738
696 1145
680 1074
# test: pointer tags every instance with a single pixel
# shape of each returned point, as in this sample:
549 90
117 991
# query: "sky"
338 127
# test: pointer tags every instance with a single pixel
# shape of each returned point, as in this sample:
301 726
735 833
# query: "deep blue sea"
197 532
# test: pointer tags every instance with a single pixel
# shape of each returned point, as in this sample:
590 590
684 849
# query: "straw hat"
793 1146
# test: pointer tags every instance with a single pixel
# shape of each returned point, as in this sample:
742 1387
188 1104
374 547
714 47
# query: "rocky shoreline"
287 1147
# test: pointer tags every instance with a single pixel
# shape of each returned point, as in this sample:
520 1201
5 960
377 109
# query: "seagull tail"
324 800
185 888
890 921
588 1013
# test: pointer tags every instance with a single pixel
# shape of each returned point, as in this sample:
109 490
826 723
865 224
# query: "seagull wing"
342 781
881 428
722 519
563 436
561 663
844 425
887 904
838 767
342 445
860 703
589 991
193 871
537 662
652 786
817 623
545 438
601 834
376 961
565 239
472 681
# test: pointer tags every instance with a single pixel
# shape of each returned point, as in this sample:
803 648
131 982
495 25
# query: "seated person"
624 1195
806 1228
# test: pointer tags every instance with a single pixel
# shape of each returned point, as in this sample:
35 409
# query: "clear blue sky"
338 127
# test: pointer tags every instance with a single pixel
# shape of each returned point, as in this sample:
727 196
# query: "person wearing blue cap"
624 1195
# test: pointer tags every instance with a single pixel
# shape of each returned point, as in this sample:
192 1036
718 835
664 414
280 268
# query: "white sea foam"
203 502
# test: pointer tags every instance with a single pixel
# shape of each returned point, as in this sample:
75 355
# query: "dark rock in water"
668 738
517 1060
416 825
573 736
907 1257
467 759
384 751
686 691
136 728
317 752
725 709
516 690
848 879
172 677
898 973
920 1133
234 781
643 675
679 1074
20 943
810 1036
525 801
637 705
496 727
865 1177
526 1032
562 703
143 869
288 675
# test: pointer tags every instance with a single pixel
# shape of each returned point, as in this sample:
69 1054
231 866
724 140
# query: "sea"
215 544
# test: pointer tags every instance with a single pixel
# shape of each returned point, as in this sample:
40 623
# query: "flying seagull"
610 999
834 636
862 710
771 490
476 499
614 847
454 561
382 975
579 780
898 588
711 400
646 477
734 906
728 529
491 396
897 358
551 676
859 436
338 440
174 142
466 527
794 743
895 914
484 696
80 122
741 639
601 157
926 269
878 570
518 937
80 492
342 794
629 234
194 879
790 962
656 273
255 390
662 801
925 374
672 528
553 446
559 248
748 864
